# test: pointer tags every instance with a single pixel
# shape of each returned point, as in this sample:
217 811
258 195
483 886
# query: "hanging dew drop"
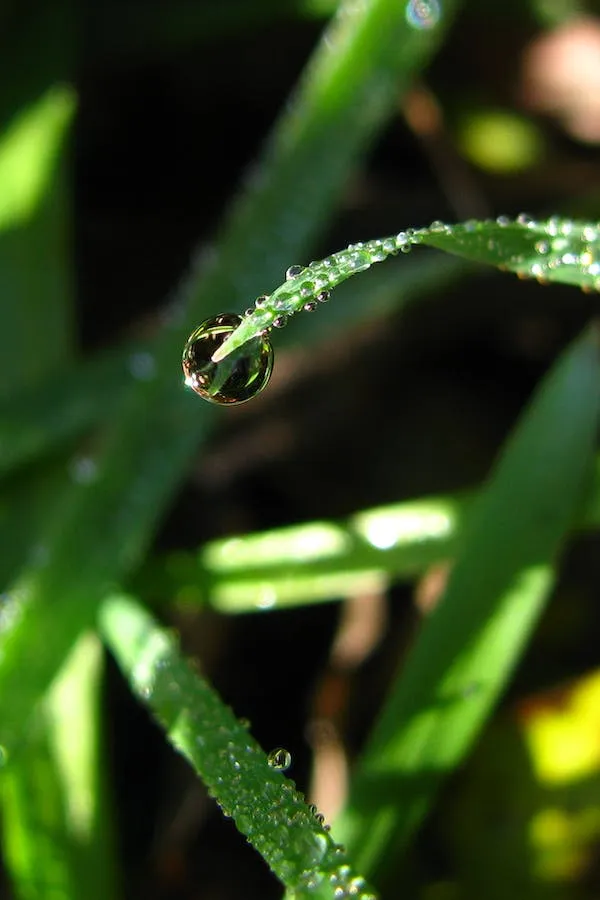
323 297
239 377
280 322
280 759
310 307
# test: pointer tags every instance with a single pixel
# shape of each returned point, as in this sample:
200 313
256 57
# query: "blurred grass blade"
108 521
555 249
263 804
469 646
55 824
46 416
35 272
323 561
314 561
29 151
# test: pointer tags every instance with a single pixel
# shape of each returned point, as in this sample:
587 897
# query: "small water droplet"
260 301
355 885
307 289
503 221
237 378
437 227
310 307
293 272
40 556
248 311
83 470
423 14
542 247
323 297
142 366
526 220
280 759
280 322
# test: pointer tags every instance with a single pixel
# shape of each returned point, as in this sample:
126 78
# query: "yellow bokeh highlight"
500 142
564 738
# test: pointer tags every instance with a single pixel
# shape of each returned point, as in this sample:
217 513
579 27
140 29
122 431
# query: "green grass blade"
40 419
316 561
35 277
555 249
468 647
264 805
322 561
558 250
56 834
107 522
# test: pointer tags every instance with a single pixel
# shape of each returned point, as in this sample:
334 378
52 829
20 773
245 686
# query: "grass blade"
56 835
34 264
469 646
556 249
264 805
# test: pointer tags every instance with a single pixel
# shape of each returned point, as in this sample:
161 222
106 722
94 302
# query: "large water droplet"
280 758
423 14
238 377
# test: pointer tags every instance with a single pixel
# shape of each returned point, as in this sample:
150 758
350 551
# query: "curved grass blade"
560 250
264 805
551 250
470 644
